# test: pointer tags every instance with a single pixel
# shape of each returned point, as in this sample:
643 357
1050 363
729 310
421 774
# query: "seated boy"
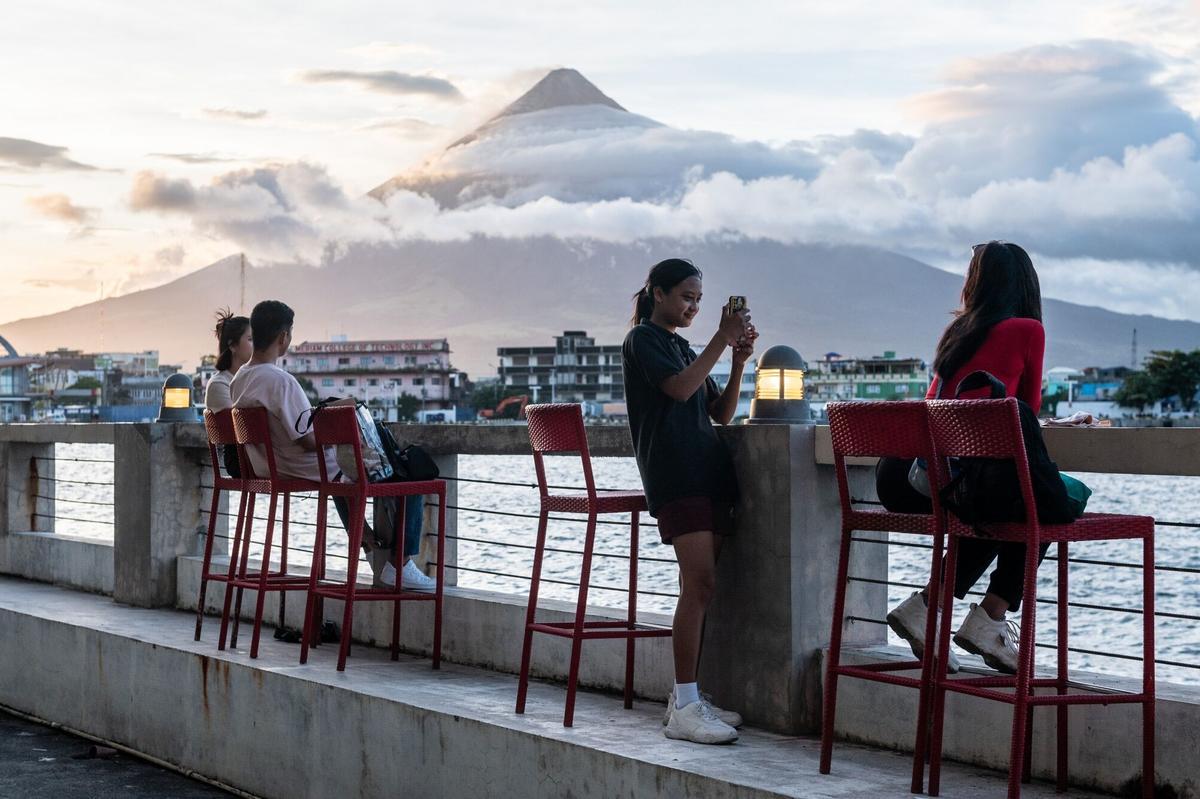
260 383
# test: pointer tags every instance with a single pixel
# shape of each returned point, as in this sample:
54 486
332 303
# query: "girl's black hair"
229 330
665 275
1001 284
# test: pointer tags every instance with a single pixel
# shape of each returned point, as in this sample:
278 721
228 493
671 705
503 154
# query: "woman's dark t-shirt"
678 451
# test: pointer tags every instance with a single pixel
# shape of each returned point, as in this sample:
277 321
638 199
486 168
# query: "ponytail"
643 305
665 275
229 331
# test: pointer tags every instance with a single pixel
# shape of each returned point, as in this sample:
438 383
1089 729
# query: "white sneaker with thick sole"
697 723
907 620
994 641
730 717
412 578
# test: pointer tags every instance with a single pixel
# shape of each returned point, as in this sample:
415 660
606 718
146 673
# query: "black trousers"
974 554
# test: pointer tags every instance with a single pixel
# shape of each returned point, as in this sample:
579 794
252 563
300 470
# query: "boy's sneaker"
994 641
697 723
730 717
907 620
412 578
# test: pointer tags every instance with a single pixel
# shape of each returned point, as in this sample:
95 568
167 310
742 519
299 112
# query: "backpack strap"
981 379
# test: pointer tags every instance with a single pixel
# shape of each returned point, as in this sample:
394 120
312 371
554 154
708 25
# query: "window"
418 381
410 360
436 381
872 388
322 363
349 382
343 361
364 361
372 382
389 360
327 382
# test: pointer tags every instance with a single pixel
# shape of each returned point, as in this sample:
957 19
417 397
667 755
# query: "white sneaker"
907 620
994 641
730 717
699 724
412 578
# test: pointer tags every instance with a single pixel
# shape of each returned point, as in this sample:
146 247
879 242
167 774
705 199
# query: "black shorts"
692 515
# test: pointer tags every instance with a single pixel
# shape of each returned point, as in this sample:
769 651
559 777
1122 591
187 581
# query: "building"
379 372
15 400
881 377
575 369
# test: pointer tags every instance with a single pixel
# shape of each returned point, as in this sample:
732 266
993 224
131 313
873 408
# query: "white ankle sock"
686 693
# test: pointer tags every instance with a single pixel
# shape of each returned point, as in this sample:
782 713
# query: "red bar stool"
992 429
559 428
338 427
251 428
219 427
880 429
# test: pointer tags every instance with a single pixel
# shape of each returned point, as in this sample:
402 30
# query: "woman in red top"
997 330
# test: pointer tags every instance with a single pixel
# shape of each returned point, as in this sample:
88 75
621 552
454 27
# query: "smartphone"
736 304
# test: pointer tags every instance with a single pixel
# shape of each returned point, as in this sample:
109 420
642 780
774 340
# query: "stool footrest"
338 591
274 583
599 629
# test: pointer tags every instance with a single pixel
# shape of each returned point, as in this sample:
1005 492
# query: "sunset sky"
1069 124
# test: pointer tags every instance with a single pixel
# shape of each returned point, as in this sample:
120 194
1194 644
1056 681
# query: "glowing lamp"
779 389
177 400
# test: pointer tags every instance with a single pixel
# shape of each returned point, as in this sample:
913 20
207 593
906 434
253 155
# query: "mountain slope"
484 293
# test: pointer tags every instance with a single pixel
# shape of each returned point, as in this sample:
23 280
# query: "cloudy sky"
139 140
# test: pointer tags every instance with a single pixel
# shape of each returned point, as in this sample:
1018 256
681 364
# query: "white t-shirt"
265 385
217 396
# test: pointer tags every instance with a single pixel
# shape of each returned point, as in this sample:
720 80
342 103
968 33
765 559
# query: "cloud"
1073 151
154 192
24 154
234 113
388 82
407 128
194 158
170 256
59 207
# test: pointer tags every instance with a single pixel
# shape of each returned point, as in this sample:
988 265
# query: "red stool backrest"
982 429
338 426
219 427
882 430
252 428
558 427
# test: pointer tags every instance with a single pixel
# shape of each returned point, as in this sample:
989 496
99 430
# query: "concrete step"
277 729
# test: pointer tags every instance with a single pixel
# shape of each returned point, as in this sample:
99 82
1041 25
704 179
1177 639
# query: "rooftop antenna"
1133 361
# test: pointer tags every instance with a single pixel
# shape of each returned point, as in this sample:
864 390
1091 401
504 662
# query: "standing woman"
999 330
234 349
686 471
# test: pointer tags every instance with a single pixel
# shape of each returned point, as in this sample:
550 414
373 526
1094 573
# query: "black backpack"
985 490
411 463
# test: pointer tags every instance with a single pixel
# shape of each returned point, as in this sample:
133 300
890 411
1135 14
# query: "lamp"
177 400
779 389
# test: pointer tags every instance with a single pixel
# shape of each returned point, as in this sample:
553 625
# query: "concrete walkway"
39 762
275 728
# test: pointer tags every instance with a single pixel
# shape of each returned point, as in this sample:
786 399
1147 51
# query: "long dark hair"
229 330
665 275
1001 284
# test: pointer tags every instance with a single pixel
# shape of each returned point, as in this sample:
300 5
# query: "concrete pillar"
157 516
775 582
27 474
